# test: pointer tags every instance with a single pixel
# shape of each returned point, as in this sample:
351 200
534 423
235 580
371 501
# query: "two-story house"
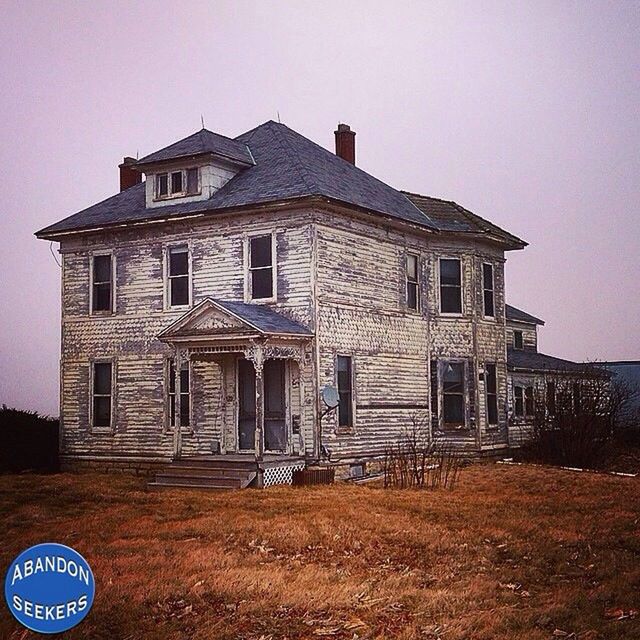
206 307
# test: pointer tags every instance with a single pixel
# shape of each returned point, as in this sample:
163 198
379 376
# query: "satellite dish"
330 397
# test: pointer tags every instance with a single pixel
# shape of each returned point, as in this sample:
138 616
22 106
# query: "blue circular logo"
49 588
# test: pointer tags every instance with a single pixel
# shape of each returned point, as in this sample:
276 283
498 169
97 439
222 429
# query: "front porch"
238 400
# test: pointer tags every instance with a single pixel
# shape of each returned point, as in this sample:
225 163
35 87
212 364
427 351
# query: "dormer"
192 169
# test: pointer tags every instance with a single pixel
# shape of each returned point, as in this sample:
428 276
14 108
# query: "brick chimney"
346 143
129 176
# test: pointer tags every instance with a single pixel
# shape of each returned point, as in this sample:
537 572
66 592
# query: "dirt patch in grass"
513 552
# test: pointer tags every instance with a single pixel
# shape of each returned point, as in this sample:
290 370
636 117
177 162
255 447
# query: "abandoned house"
207 307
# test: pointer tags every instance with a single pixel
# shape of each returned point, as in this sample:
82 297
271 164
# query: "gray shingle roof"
450 216
201 142
518 359
518 315
264 318
287 166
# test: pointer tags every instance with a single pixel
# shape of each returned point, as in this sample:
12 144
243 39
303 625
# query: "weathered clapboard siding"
529 334
362 312
129 336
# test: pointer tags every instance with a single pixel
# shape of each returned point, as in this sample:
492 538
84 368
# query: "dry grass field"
513 552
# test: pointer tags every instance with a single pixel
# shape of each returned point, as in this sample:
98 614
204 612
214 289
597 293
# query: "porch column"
177 432
258 364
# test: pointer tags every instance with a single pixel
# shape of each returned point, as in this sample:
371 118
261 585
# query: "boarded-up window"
178 269
261 267
413 290
162 185
518 341
102 394
176 182
450 286
344 367
487 288
102 283
192 181
184 394
492 393
453 395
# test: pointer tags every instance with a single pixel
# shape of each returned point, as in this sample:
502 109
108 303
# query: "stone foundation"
132 466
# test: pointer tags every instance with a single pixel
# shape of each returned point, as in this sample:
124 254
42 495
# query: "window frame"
248 270
451 314
491 425
112 414
492 291
464 426
184 193
167 278
523 387
186 365
346 429
520 333
416 282
92 256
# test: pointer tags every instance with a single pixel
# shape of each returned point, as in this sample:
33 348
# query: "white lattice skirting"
280 475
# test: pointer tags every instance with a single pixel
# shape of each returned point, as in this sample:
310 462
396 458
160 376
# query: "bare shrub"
419 461
575 417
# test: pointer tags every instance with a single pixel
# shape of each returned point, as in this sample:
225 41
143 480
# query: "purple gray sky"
525 112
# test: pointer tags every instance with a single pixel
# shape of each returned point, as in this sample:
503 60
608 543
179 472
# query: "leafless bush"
418 461
575 417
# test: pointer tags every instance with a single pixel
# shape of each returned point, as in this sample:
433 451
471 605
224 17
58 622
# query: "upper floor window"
102 385
413 290
491 388
178 286
487 288
261 280
453 395
345 391
518 340
102 283
178 183
450 285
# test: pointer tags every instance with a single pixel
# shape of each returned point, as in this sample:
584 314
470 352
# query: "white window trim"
418 308
169 428
165 270
493 289
178 194
111 311
343 429
486 397
111 428
446 314
442 363
247 270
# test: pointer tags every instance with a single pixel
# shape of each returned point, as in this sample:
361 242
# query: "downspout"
317 421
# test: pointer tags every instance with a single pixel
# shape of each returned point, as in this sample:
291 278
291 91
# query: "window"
176 182
487 288
413 293
492 393
184 394
162 185
450 286
192 181
523 397
102 277
453 389
345 391
551 397
518 342
102 383
178 289
261 268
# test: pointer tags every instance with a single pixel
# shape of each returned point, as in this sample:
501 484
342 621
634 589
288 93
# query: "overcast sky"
527 113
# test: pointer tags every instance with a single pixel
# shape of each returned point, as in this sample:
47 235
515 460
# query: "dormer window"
177 183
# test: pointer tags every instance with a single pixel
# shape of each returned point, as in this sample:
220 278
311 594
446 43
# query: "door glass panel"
275 426
247 405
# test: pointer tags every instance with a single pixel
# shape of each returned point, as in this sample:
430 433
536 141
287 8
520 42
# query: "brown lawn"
513 552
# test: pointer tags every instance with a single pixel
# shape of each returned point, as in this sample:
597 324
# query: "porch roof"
226 319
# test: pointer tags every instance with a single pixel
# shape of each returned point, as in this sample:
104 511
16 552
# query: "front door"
275 423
